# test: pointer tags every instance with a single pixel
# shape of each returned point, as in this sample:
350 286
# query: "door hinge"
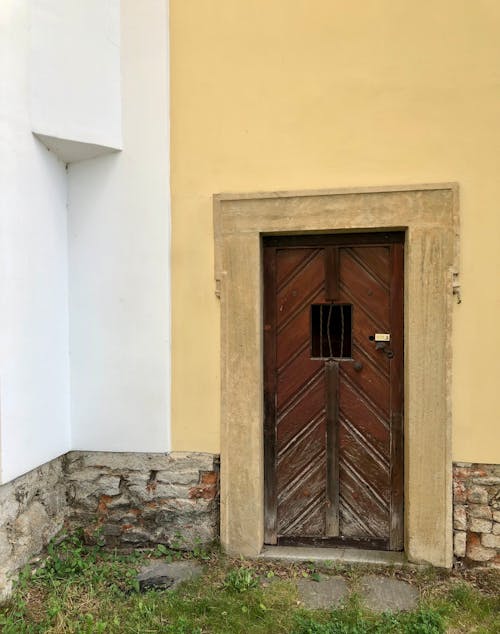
457 290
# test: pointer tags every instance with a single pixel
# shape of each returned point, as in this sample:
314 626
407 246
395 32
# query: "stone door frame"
429 216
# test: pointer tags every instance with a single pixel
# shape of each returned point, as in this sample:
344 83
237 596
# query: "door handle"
381 345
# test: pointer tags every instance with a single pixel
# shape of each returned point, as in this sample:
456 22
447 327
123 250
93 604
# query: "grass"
84 590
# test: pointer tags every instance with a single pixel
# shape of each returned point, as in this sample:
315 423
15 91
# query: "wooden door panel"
371 382
360 515
301 481
300 396
364 289
365 465
291 262
333 465
368 421
295 377
301 458
299 289
305 405
295 336
376 260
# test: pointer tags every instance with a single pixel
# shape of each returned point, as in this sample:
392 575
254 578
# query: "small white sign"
382 336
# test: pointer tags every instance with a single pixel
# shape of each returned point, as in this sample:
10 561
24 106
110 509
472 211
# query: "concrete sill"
337 555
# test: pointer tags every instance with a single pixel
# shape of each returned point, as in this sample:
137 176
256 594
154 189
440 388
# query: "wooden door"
333 390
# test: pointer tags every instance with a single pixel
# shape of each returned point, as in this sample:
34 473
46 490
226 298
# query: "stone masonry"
476 513
125 499
32 510
133 499
144 499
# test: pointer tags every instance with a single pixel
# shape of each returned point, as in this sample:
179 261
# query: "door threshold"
337 555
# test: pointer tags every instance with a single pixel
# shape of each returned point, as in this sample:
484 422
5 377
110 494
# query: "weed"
200 551
182 626
82 589
354 621
240 580
162 552
424 622
178 542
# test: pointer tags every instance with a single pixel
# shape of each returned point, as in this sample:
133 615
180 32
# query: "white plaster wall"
75 84
34 366
119 258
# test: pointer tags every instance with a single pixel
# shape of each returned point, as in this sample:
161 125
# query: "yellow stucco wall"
303 94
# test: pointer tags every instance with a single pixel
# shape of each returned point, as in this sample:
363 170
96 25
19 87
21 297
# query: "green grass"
84 590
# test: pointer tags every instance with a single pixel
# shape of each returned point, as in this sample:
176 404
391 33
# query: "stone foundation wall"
476 513
132 499
127 499
32 510
144 499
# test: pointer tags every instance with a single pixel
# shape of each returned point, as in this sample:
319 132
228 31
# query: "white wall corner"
34 358
119 258
75 83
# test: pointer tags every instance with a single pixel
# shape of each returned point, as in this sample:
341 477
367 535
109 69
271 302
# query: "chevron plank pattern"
301 396
364 398
351 446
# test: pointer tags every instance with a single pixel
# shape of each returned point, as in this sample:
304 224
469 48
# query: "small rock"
490 541
163 575
383 594
480 526
134 535
111 529
487 481
459 492
459 543
495 502
481 511
478 495
326 593
477 552
459 518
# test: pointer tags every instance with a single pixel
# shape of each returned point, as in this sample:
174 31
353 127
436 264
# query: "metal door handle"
381 345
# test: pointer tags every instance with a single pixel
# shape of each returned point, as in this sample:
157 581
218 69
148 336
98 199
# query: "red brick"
102 507
207 492
477 552
208 477
459 493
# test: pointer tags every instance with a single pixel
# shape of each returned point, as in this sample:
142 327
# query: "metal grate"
331 331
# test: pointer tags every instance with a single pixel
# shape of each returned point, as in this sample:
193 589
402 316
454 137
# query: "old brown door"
333 377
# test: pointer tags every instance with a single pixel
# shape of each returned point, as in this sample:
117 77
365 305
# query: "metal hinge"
457 291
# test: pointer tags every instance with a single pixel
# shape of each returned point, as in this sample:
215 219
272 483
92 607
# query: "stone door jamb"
429 216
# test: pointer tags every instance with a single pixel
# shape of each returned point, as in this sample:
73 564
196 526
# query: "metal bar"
321 354
328 331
